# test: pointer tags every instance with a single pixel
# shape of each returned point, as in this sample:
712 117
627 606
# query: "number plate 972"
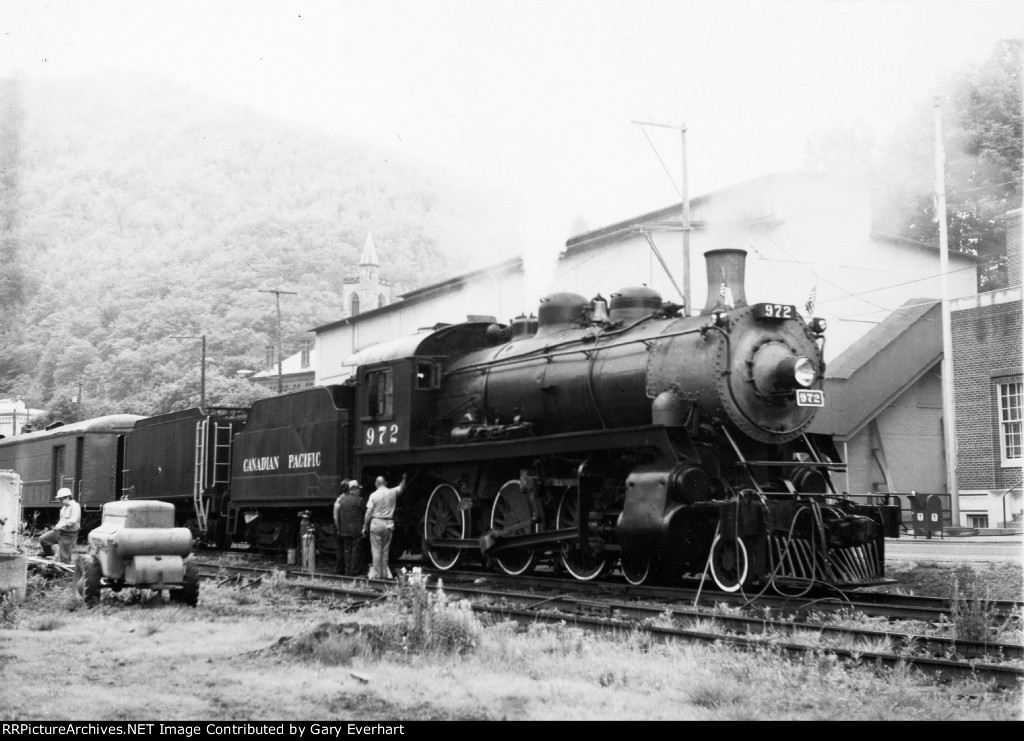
810 398
775 311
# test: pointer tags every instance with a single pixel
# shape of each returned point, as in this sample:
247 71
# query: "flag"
725 292
811 299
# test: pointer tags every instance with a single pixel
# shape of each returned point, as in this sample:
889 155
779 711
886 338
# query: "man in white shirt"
65 532
379 524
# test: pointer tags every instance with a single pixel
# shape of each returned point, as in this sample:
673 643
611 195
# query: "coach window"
428 376
381 393
1011 436
57 470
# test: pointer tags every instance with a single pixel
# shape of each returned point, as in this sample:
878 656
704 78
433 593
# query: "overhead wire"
848 294
663 165
813 272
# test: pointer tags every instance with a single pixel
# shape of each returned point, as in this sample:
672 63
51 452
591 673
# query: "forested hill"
134 210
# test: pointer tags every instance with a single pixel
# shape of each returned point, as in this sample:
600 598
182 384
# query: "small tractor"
137 545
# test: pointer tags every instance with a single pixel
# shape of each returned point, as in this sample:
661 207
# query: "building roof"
879 367
905 242
427 292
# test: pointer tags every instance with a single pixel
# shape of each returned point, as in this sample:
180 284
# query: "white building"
14 416
802 233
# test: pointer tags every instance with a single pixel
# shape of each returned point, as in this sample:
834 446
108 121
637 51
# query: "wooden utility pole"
948 396
277 293
684 194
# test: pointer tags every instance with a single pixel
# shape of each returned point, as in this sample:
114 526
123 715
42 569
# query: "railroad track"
871 604
889 649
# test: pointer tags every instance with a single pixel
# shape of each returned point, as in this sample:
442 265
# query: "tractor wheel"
87 579
189 593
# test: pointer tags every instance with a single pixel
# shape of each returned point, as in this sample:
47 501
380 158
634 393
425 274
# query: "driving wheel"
444 520
578 563
511 516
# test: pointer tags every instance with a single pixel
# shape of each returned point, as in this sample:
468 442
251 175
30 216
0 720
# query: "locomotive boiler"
622 434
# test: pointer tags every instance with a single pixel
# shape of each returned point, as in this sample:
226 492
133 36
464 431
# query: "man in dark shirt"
349 509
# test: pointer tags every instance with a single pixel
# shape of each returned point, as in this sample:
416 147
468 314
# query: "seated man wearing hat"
65 532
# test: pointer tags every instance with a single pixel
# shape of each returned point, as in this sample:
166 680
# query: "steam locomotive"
597 437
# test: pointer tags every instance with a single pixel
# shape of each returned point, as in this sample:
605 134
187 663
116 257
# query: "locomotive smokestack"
726 270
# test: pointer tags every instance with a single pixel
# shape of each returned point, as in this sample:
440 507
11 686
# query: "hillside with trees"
132 210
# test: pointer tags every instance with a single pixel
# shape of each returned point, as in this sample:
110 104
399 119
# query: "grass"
263 652
1000 581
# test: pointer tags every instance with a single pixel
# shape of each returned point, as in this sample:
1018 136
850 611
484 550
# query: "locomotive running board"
672 442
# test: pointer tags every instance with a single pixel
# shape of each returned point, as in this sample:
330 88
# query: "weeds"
46 623
412 620
971 607
9 609
330 644
416 620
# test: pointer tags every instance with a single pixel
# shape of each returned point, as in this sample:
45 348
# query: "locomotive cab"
395 404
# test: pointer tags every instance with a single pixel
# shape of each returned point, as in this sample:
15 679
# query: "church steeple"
369 252
369 290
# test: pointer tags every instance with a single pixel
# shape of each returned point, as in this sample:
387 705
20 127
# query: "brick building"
987 334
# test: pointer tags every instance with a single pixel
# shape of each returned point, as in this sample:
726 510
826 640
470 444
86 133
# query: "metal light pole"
277 294
948 387
202 368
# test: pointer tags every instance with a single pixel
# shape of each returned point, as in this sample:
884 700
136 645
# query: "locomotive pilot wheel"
582 566
729 563
444 519
510 515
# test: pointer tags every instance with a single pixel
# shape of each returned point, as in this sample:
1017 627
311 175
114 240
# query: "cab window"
428 376
381 393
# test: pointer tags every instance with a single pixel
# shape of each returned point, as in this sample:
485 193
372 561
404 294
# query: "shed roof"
879 367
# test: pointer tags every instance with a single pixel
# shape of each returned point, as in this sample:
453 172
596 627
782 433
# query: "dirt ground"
137 657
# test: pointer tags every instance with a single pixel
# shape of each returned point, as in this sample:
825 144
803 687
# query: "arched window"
355 304
380 300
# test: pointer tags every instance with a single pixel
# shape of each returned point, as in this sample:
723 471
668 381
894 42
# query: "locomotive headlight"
818 325
792 372
804 373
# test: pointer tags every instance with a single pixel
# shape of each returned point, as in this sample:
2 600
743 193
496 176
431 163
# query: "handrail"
1019 482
